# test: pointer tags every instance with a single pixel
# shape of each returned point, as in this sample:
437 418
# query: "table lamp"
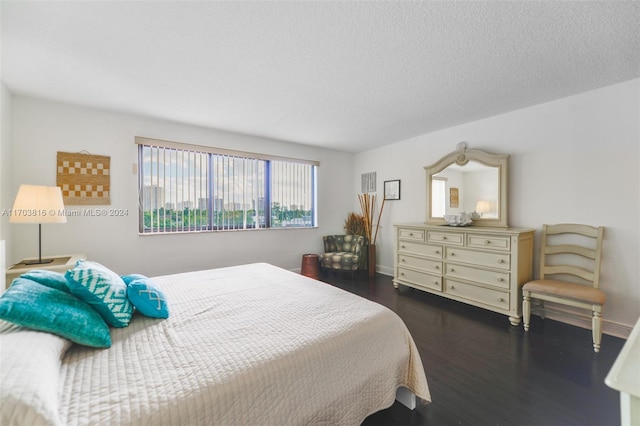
38 204
483 207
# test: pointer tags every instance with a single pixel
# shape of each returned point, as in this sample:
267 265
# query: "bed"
252 345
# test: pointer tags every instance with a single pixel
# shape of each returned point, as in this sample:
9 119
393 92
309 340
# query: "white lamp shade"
483 207
38 204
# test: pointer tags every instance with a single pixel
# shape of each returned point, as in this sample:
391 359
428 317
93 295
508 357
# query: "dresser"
481 266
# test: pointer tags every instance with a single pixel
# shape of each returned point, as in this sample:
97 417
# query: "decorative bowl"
462 219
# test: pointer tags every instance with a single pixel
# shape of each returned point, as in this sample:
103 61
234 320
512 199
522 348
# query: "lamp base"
37 262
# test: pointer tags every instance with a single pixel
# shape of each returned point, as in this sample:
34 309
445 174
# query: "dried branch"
368 206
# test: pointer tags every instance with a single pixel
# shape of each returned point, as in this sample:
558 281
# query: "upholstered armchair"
343 253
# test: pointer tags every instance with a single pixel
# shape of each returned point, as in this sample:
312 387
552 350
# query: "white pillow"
29 376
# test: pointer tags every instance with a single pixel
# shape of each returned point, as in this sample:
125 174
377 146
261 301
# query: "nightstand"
60 264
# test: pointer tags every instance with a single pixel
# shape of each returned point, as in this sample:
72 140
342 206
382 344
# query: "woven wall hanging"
84 178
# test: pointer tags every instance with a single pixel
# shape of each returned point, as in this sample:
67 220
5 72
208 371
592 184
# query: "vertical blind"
172 182
292 194
190 188
238 192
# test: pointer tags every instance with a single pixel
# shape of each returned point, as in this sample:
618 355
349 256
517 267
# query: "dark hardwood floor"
483 371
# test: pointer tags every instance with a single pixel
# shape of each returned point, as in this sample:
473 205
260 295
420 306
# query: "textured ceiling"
342 75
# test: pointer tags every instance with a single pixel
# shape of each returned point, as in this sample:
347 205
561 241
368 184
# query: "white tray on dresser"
481 266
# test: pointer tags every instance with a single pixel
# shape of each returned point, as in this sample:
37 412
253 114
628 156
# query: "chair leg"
596 330
526 311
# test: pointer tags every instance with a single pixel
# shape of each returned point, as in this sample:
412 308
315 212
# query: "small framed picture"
454 198
392 189
368 182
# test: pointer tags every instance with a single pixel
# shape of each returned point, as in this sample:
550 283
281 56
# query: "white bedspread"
245 345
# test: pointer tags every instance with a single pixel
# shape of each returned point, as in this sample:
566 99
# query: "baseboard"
384 270
379 269
583 320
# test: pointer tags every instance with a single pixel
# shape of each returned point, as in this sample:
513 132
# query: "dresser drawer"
492 278
420 278
495 298
482 258
429 250
495 242
432 266
446 237
411 234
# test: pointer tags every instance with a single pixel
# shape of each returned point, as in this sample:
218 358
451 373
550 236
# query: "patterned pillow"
128 278
38 307
103 289
147 298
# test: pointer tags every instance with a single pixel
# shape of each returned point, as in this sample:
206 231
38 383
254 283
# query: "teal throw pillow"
103 289
147 298
38 307
51 279
128 278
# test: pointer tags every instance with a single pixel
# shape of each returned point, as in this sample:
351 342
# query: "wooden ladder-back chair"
576 252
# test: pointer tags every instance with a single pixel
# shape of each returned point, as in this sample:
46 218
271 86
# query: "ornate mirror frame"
461 157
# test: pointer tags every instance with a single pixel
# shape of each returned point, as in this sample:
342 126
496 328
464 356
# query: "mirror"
468 181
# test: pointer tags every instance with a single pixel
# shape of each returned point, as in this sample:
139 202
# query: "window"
439 196
187 188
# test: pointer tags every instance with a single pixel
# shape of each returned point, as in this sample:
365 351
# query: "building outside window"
187 188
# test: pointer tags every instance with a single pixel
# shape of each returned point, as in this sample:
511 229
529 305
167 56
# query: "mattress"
247 345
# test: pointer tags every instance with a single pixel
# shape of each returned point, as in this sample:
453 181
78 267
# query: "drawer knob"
451 270
402 260
437 251
500 299
402 274
452 287
487 242
500 279
453 253
437 267
403 246
500 260
411 234
444 238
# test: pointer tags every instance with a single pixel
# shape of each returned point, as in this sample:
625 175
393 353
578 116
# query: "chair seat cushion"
566 290
339 260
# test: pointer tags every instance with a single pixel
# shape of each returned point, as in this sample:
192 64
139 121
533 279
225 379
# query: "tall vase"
372 260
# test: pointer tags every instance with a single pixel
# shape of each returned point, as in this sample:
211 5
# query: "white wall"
572 160
41 128
6 195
